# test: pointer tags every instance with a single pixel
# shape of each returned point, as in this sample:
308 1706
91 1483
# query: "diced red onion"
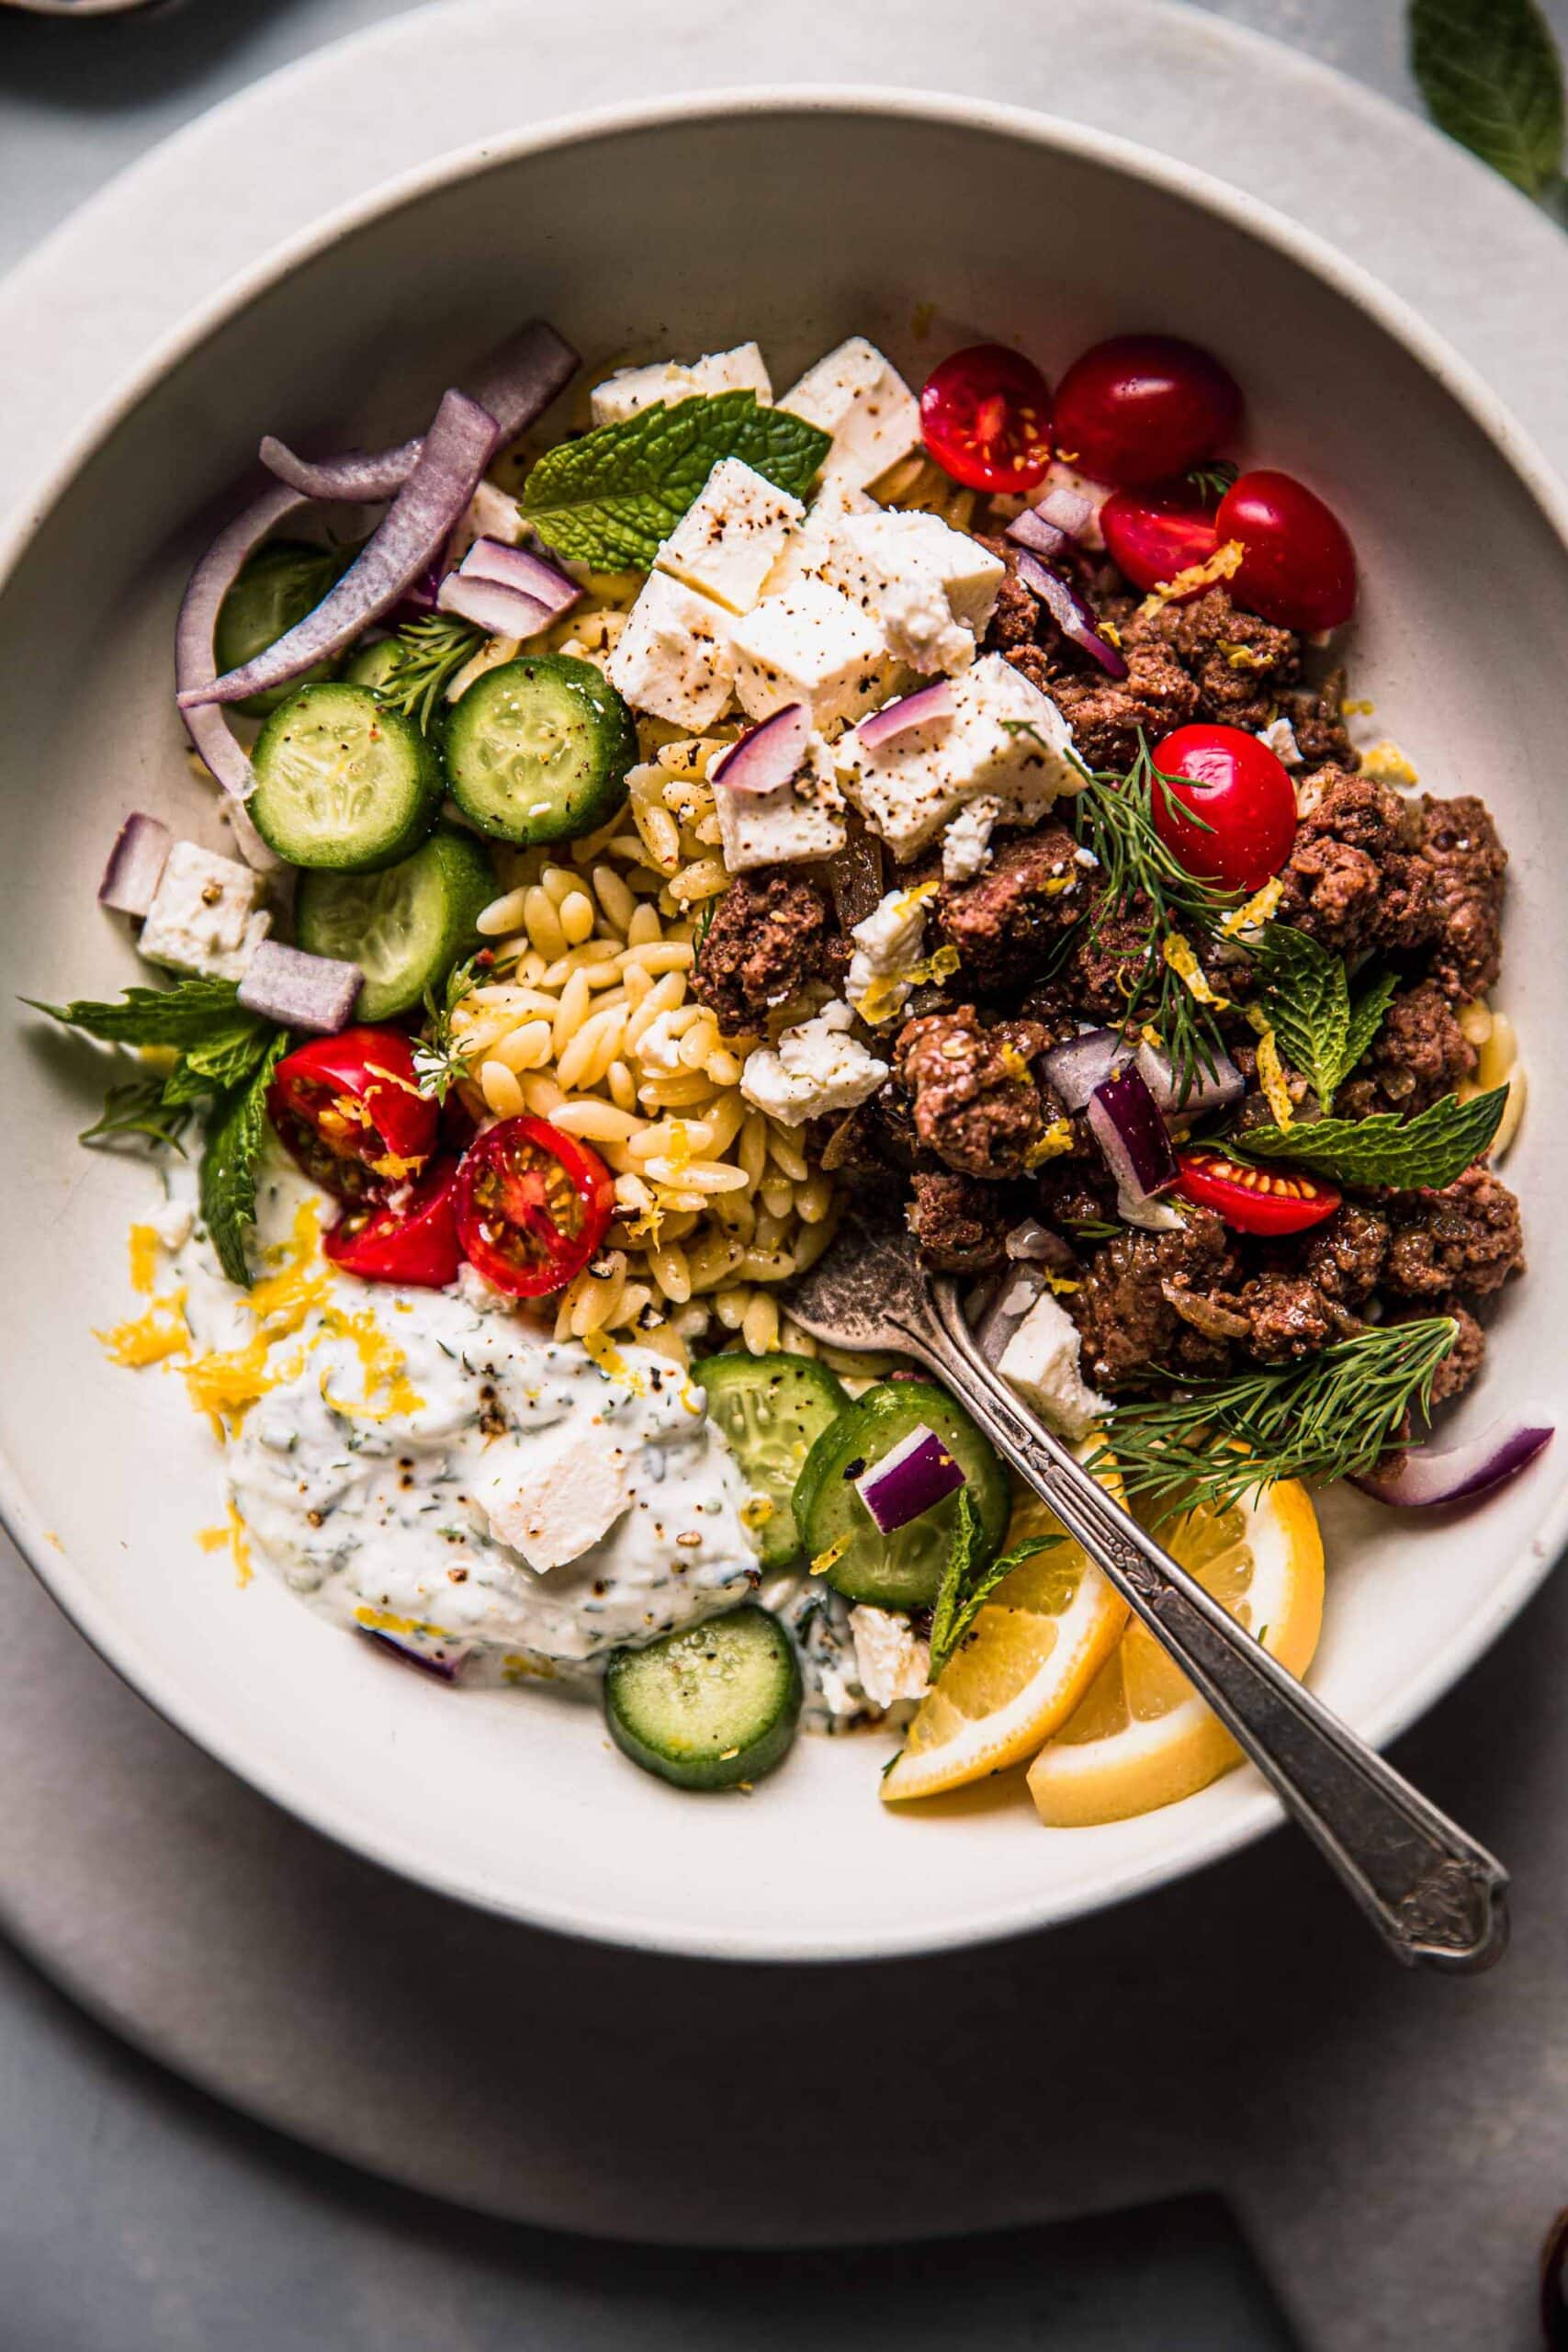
205 592
769 756
1032 530
492 607
1205 1090
1085 1062
413 530
1128 1127
1036 1244
1072 614
896 719
1071 511
300 991
445 1663
1423 1476
515 384
520 569
136 864
919 1473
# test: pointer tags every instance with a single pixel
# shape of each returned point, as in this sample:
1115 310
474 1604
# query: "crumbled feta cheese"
930 590
892 1660
491 514
553 1499
172 1223
1006 741
1042 1361
1281 738
800 820
659 1048
729 540
674 656
806 549
206 917
860 398
631 388
966 844
816 1067
889 944
810 645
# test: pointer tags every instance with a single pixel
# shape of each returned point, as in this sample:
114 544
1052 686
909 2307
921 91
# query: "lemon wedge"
1141 1736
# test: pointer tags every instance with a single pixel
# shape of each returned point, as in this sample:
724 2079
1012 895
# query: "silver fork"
1435 1896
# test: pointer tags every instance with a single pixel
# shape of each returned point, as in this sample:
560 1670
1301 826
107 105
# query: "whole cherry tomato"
1298 568
986 418
1229 813
349 1110
1145 405
1254 1199
533 1206
412 1238
1151 535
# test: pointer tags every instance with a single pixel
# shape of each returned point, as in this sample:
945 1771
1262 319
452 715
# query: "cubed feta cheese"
674 656
1006 741
889 944
810 645
816 1068
930 590
892 1660
491 514
552 1498
860 398
966 844
1042 1361
206 916
743 369
806 549
729 540
800 820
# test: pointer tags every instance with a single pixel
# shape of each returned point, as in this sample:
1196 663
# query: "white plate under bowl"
686 227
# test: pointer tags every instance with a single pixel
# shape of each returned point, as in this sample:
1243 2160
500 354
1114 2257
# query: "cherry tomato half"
1145 405
1254 1199
533 1206
1243 821
986 417
412 1238
1299 566
1151 535
349 1110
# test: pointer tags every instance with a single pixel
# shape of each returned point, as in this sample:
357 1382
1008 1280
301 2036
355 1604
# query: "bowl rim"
121 1646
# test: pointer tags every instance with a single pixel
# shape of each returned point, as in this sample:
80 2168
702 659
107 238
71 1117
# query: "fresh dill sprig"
1214 1440
140 1106
1115 819
438 1060
430 651
1213 478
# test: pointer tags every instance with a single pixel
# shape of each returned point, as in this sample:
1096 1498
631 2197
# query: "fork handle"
1436 1897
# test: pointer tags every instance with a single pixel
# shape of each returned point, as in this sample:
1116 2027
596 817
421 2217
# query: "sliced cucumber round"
275 588
772 1409
342 783
374 665
537 749
406 925
708 1707
902 1570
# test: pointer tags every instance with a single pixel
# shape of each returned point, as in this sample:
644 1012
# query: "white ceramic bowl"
797 219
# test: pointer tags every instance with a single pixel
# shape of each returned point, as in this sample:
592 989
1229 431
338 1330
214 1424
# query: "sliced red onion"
514 385
520 569
136 864
1073 615
1422 1476
1031 529
769 756
1205 1090
445 1663
1085 1062
919 1473
425 596
491 607
1036 1244
194 665
300 991
896 719
1128 1127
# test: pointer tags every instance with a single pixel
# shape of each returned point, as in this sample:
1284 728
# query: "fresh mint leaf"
1430 1149
1491 78
1306 995
234 1132
609 498
966 1587
183 1016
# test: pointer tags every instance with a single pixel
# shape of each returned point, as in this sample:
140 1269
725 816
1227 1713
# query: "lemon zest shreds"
144 1247
232 1538
757 1510
1272 1078
1057 1139
381 1360
612 1363
1386 763
381 1621
226 1383
1260 909
152 1338
830 1558
1225 559
1181 956
1242 657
